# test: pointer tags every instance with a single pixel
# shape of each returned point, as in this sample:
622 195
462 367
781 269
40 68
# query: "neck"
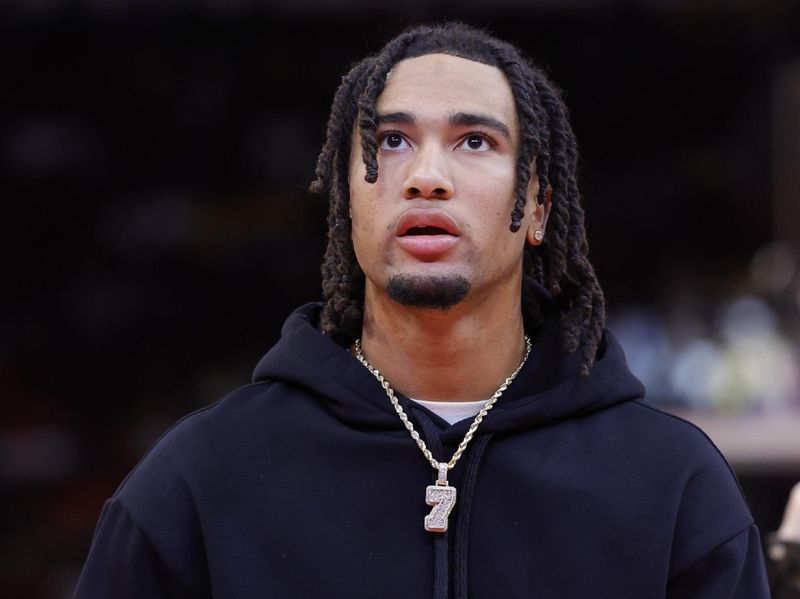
460 354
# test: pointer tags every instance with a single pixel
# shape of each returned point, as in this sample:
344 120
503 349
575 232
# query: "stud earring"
538 235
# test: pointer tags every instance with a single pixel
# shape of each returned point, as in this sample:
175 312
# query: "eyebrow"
397 117
468 118
458 118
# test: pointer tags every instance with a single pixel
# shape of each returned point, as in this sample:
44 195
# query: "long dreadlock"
560 264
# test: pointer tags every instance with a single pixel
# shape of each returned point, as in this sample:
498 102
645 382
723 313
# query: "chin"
428 291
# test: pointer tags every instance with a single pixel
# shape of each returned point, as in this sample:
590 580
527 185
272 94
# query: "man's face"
434 228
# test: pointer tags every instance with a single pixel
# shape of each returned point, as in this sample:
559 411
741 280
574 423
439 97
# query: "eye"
392 140
476 142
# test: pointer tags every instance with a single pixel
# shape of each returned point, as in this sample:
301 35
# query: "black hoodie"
305 484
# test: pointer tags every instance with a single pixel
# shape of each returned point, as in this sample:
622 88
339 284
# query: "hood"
549 387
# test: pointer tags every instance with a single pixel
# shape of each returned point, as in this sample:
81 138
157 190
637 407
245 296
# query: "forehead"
437 84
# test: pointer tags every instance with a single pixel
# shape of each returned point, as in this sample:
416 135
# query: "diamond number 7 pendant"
441 496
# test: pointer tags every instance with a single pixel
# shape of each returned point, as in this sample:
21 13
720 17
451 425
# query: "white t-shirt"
452 411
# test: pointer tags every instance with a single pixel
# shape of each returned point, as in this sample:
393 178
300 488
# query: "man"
453 421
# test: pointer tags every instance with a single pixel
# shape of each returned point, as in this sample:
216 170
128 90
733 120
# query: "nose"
427 176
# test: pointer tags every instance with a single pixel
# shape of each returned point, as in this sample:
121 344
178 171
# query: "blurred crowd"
740 355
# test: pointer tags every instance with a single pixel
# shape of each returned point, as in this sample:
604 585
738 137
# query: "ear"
539 213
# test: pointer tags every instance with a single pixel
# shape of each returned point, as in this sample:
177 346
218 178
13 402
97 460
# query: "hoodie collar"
549 388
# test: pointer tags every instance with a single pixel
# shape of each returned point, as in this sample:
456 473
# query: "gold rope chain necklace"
441 496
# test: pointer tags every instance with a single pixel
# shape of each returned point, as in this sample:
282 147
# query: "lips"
426 222
426 233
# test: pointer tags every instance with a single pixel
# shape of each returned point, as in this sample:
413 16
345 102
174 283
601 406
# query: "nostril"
412 191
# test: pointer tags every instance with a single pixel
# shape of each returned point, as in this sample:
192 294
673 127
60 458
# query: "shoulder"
676 448
710 506
660 433
194 431
202 461
215 441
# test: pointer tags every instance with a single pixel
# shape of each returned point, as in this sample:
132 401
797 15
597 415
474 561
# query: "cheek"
362 244
495 197
372 203
364 208
368 221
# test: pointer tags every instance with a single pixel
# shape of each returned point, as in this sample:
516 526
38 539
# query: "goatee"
428 292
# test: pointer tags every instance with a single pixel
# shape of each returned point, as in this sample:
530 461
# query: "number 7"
442 498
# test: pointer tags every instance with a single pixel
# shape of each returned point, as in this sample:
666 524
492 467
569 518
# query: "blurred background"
156 229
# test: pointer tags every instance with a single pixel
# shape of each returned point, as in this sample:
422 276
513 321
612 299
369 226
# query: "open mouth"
426 222
426 230
427 234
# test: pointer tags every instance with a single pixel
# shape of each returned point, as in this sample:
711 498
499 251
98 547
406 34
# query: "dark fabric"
134 567
731 570
305 484
460 558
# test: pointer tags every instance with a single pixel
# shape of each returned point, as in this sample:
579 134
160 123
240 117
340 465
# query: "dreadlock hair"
560 264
